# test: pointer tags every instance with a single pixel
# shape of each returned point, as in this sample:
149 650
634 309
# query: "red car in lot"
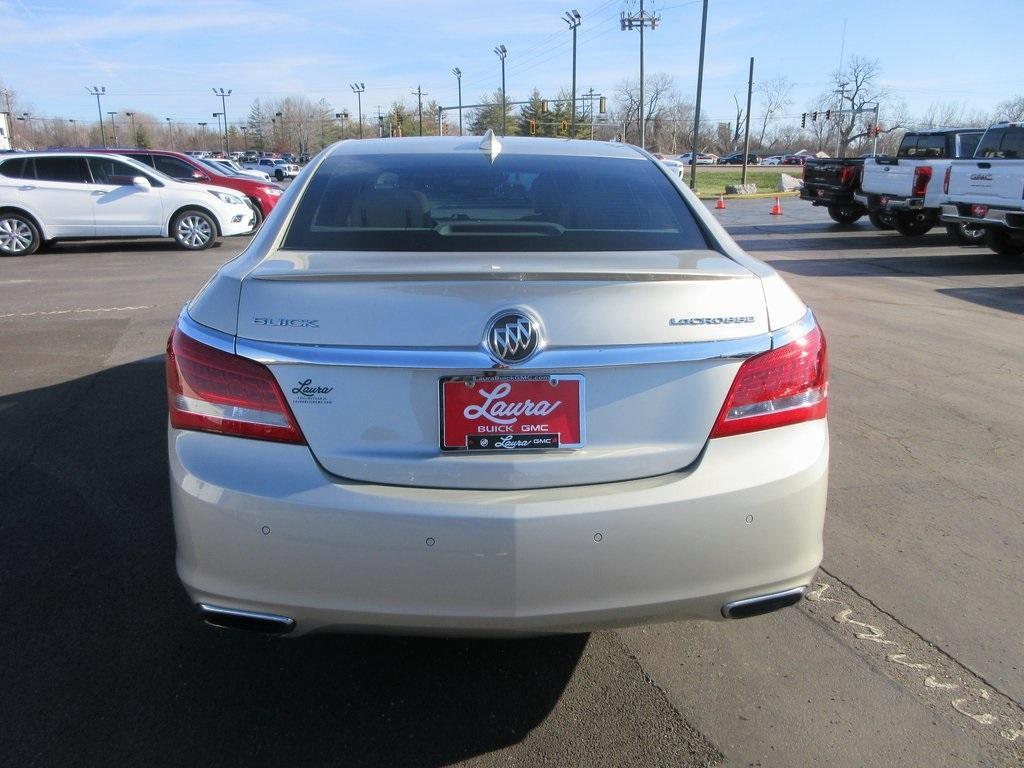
263 195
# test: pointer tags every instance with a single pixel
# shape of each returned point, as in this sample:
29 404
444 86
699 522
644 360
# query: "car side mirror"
141 182
198 176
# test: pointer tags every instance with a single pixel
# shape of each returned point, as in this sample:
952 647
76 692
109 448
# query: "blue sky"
163 57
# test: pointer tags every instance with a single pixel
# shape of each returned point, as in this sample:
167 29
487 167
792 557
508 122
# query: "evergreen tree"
256 124
489 116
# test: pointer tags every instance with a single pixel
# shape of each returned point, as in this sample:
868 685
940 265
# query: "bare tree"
659 89
774 96
740 112
1011 109
856 89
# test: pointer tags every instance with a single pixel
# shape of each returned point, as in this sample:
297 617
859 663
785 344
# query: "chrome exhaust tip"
248 621
755 606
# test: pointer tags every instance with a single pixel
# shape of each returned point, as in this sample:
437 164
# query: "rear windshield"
1002 142
923 145
463 202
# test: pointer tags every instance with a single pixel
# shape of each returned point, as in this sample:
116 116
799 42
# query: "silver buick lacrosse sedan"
501 386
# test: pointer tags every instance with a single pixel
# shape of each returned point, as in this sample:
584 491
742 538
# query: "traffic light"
565 126
533 127
602 105
878 129
803 120
544 106
814 117
828 114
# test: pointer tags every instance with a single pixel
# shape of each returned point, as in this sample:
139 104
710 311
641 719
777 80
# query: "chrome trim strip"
285 623
794 331
204 334
729 608
274 353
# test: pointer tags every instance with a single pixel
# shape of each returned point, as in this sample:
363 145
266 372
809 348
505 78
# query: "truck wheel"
880 221
279 175
966 234
1004 243
913 224
845 214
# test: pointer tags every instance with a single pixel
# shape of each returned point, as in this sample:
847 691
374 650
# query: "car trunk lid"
361 344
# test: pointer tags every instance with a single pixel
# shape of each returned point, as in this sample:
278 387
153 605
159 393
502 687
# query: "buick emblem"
513 337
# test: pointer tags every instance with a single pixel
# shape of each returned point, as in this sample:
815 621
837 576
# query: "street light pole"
135 136
700 86
98 91
74 130
205 142
218 115
170 132
502 52
358 89
573 19
113 128
419 94
224 112
458 76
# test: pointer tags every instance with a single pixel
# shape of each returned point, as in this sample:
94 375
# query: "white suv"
76 195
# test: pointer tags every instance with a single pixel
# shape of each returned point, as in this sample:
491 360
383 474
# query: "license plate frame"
456 438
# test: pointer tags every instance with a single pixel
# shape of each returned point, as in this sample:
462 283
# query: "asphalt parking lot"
909 650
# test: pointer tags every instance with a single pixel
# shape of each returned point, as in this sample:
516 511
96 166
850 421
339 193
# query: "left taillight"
783 386
922 175
214 391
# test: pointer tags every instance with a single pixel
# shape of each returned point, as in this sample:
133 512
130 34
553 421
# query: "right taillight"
214 391
945 179
784 386
846 175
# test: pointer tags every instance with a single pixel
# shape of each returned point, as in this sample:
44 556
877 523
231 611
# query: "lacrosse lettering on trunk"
512 413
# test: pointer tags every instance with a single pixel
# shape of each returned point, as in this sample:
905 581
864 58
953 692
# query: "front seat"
389 207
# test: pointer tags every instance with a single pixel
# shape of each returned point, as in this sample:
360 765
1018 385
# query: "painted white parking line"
80 310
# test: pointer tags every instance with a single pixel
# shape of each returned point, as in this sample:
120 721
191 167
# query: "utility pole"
696 110
592 121
135 136
419 94
358 89
502 52
224 112
839 119
746 131
170 133
458 76
98 91
113 128
573 19
640 21
380 123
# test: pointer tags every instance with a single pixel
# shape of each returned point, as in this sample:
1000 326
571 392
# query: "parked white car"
986 191
702 158
772 160
279 169
231 167
551 396
77 195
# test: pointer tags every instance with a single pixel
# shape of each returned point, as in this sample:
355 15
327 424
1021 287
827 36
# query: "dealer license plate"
512 413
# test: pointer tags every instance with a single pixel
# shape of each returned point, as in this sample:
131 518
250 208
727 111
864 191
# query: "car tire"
966 234
1004 243
845 214
279 175
913 224
194 230
880 221
258 218
19 236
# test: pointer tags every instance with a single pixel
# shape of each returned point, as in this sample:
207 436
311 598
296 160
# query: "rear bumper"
874 202
827 196
261 528
995 218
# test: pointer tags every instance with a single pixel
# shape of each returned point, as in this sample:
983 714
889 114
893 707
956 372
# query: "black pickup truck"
831 181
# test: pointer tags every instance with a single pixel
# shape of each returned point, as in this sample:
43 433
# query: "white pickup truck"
987 191
905 191
279 169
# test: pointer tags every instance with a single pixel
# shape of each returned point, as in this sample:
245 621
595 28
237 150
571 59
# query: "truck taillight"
945 179
214 391
783 386
846 175
979 211
922 175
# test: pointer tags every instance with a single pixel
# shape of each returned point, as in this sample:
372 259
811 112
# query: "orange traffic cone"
720 205
777 208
